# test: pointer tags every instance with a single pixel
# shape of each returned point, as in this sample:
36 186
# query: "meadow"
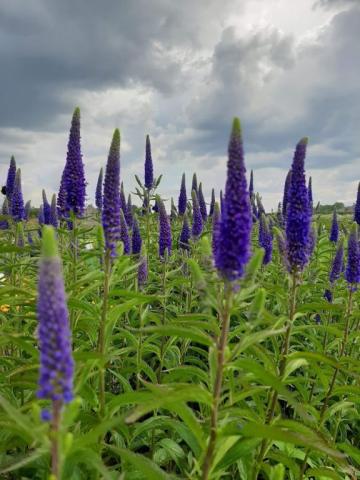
192 339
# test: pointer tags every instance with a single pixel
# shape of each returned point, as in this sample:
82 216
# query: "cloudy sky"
180 71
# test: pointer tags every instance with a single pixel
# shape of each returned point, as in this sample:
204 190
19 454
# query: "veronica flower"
111 198
53 220
185 235
98 193
194 185
142 272
4 224
136 238
337 264
173 212
123 204
41 218
17 201
10 180
298 216
61 197
74 183
233 250
357 207
56 361
265 239
149 170
310 195
182 197
202 203
129 217
352 272
215 229
197 225
46 207
164 230
334 231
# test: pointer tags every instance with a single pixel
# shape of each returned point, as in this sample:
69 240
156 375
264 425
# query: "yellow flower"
4 308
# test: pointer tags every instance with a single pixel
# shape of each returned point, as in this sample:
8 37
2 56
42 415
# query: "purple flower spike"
149 169
185 235
337 265
111 198
53 213
298 217
265 239
334 232
124 234
202 203
312 241
98 193
27 209
233 250
74 176
46 207
17 201
212 203
10 181
136 238
182 197
197 225
251 184
61 197
164 230
4 224
357 207
129 217
173 211
142 272
56 361
352 272
310 195
194 185
286 193
41 218
215 229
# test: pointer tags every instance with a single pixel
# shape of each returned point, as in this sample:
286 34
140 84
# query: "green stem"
221 345
101 336
333 380
282 368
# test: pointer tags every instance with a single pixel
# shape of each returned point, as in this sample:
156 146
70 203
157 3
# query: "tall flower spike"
182 197
56 361
298 217
357 207
129 217
215 229
10 181
53 213
61 197
46 206
352 272
124 234
265 239
98 193
212 203
4 224
337 265
149 169
286 192
164 229
185 235
197 225
17 201
74 176
136 239
41 218
202 203
111 198
27 209
142 272
334 231
251 184
233 250
194 185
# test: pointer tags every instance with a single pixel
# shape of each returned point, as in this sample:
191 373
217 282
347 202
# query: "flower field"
193 338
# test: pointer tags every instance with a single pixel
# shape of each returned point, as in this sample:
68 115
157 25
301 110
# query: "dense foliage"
147 329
